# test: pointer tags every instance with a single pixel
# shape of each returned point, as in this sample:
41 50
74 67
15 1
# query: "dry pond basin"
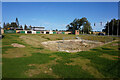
74 45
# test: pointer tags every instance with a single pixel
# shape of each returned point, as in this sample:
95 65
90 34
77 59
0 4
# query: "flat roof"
38 27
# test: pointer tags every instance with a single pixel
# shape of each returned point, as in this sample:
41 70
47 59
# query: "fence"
9 31
37 32
22 31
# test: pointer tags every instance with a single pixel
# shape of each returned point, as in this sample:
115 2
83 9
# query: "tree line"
112 27
83 25
15 25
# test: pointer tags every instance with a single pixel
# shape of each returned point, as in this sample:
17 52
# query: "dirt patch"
40 69
33 40
16 53
52 56
84 63
109 57
17 45
43 68
115 44
71 45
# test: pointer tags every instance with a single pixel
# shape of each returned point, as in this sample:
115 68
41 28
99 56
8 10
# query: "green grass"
35 53
19 65
66 71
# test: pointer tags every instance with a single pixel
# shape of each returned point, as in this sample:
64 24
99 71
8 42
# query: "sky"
56 15
60 0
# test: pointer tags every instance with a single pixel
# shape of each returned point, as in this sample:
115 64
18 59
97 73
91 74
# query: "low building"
97 32
18 30
33 32
76 32
37 28
68 32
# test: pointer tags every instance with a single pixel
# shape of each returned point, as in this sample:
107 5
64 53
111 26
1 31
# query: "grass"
100 62
0 58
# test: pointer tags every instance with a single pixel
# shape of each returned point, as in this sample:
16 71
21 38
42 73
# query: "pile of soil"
17 45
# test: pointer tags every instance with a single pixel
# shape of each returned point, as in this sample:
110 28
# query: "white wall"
33 32
37 28
50 32
44 32
25 32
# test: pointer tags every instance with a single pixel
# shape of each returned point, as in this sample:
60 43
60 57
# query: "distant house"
18 30
38 28
97 32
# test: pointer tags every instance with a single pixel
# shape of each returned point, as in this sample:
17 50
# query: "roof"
19 29
37 27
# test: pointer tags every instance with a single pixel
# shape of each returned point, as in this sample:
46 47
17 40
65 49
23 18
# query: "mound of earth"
17 45
71 45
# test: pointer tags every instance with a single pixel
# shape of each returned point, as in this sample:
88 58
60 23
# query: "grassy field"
36 61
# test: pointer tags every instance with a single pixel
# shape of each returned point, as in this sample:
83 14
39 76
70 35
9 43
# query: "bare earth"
17 45
75 45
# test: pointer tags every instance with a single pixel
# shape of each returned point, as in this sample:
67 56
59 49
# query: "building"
37 28
18 30
0 30
97 32
76 32
68 32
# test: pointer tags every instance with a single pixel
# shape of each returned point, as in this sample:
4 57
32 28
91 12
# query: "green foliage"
17 22
11 25
111 27
21 27
30 27
77 23
25 27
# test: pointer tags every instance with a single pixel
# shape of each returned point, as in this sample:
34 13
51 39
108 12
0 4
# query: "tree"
86 28
112 27
56 29
14 25
7 26
25 27
4 26
77 23
17 22
69 28
21 27
103 30
30 27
